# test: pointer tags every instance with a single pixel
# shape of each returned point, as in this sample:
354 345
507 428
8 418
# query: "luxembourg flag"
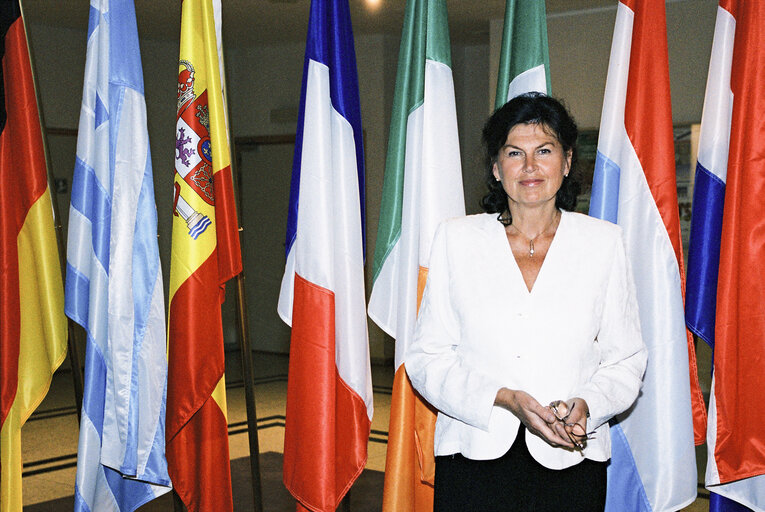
653 463
329 390
726 275
114 278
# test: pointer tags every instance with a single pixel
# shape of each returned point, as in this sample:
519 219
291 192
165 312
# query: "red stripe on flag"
24 179
226 226
648 112
195 365
200 447
739 353
327 425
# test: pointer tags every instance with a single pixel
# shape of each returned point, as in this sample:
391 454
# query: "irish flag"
329 389
524 63
205 254
32 322
653 464
726 276
422 187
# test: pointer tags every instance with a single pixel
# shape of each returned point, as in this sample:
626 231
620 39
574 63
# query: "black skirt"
517 482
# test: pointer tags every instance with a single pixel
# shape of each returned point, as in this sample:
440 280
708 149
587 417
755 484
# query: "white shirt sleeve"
616 383
431 361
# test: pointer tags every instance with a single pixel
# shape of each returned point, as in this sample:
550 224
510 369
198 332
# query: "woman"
526 305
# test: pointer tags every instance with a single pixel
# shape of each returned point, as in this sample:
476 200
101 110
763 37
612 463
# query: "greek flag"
113 276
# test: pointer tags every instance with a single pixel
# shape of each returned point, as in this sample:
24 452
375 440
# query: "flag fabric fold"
422 186
205 254
726 284
329 391
32 322
114 280
524 62
653 465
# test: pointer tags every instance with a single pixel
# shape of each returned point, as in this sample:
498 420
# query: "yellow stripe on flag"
42 342
219 395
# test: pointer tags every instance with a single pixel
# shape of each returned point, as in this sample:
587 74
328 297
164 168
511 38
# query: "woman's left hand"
571 420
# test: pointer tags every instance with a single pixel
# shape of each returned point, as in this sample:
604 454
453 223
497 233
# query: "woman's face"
531 165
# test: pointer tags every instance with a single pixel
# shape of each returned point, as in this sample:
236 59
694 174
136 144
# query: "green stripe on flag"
524 44
409 95
439 48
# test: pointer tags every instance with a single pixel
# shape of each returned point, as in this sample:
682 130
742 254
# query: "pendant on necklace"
531 248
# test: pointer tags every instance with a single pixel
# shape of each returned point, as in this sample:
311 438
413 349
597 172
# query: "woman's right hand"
537 418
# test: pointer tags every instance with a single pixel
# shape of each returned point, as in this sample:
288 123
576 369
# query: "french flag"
329 390
653 463
726 274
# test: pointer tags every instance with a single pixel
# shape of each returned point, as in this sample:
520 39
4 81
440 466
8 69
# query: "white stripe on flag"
714 135
533 79
328 247
432 192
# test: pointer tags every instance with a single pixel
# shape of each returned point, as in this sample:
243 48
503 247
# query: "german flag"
205 254
32 322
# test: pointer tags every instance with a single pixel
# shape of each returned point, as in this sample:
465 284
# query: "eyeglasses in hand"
576 432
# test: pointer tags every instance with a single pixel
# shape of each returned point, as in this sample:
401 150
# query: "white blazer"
576 334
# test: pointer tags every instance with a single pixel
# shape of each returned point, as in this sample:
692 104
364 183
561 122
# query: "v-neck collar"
551 251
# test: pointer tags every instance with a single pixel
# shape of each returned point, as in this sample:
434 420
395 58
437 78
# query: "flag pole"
72 337
249 392
245 347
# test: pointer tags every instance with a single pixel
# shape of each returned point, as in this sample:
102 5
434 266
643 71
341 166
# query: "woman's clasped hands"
562 423
571 421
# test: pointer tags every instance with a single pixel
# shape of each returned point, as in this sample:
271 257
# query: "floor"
49 439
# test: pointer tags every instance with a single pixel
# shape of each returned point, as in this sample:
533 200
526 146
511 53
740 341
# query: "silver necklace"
531 240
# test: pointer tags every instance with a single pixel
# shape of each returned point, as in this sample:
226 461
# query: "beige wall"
266 80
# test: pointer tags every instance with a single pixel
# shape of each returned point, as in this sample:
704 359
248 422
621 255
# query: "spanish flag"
32 322
205 254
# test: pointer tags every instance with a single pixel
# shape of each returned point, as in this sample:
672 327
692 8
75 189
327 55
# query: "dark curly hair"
528 108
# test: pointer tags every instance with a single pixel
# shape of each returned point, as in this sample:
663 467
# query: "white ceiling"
251 22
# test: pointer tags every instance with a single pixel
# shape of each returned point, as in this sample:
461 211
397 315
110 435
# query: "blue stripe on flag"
93 398
76 293
79 501
125 57
719 503
604 199
101 114
625 489
94 202
704 254
93 18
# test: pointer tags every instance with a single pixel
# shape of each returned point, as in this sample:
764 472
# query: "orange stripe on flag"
410 456
412 489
